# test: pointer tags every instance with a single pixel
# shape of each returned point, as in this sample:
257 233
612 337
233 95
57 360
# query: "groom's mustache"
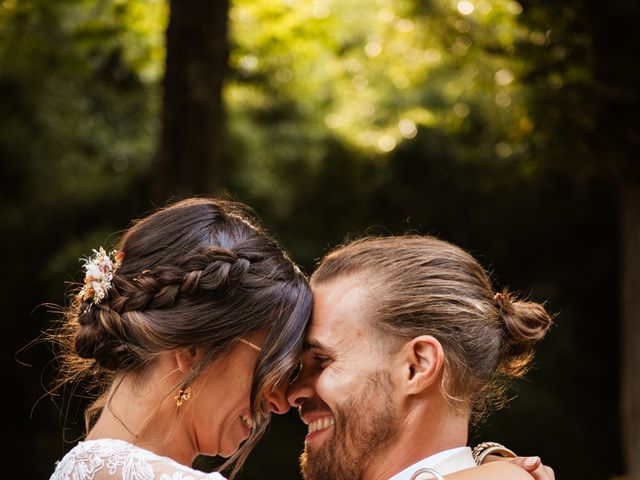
313 406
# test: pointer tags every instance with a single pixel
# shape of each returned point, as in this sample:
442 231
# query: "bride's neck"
139 410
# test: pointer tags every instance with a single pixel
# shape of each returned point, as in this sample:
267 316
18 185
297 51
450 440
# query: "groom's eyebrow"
309 344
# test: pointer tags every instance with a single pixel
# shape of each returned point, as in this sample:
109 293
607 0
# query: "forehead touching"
342 313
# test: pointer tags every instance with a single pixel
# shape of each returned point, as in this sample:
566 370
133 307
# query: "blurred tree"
366 75
77 128
344 114
584 86
504 127
189 156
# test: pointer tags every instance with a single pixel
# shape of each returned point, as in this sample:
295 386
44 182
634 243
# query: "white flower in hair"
99 269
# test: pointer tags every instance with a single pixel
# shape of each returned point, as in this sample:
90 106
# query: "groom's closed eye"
321 360
311 360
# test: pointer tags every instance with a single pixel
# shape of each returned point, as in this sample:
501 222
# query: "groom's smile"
405 340
319 422
343 391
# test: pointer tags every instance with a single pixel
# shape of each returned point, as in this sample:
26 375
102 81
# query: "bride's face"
221 415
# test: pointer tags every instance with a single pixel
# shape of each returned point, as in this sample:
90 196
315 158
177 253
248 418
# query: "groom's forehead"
341 312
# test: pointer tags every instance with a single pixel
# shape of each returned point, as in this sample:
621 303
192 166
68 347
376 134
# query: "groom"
403 350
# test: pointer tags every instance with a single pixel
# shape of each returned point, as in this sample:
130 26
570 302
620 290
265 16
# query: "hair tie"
500 300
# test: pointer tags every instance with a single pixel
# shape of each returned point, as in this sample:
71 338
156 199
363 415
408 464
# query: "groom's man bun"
420 285
525 323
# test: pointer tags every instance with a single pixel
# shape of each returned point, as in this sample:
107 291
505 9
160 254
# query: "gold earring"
184 394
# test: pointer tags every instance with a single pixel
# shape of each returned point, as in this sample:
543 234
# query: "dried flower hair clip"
99 269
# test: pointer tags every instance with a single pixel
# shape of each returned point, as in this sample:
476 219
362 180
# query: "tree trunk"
189 156
630 269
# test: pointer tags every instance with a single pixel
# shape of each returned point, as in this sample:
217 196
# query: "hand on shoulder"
503 470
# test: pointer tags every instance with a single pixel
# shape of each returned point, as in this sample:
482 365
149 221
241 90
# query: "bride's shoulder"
108 459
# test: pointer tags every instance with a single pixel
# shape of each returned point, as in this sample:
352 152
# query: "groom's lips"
319 424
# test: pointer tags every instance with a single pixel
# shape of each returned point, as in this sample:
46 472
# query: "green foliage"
583 84
469 120
366 78
79 108
77 128
491 123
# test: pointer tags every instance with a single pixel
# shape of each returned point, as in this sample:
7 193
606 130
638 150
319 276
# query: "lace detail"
108 459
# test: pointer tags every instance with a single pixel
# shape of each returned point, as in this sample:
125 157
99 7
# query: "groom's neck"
424 431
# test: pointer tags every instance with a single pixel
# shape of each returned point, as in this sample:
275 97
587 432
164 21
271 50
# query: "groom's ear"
424 360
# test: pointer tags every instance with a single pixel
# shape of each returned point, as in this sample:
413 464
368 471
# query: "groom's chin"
304 466
313 466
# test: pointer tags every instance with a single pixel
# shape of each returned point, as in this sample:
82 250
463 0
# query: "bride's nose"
276 399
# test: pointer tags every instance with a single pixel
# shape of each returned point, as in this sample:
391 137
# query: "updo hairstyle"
420 285
197 274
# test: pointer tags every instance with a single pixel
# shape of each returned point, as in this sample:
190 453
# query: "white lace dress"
108 459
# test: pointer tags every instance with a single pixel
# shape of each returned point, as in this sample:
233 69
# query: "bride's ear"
185 359
424 360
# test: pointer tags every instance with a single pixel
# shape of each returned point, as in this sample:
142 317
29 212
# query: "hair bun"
88 331
524 323
99 337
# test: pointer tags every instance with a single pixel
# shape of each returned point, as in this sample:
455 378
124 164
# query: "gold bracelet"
481 451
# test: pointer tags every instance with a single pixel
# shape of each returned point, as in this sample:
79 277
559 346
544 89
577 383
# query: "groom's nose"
301 389
276 399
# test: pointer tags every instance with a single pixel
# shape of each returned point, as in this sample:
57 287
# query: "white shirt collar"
446 462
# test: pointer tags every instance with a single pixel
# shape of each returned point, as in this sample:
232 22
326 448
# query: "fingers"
544 473
530 464
535 467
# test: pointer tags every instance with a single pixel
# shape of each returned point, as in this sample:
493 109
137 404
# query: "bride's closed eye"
295 372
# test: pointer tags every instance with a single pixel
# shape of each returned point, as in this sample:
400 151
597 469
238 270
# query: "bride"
190 330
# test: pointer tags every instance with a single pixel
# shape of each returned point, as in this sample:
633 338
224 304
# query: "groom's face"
344 391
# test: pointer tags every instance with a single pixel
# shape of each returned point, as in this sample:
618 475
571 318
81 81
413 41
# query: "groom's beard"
364 425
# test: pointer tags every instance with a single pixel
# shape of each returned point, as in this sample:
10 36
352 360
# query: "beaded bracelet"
481 451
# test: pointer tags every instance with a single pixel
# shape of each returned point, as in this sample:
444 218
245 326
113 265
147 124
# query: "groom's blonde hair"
421 285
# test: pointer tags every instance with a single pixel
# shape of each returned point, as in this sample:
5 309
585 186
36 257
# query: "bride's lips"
319 425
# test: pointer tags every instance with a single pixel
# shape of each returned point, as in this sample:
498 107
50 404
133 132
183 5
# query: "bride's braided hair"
197 274
108 331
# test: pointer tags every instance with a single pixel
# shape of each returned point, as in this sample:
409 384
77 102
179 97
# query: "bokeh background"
509 128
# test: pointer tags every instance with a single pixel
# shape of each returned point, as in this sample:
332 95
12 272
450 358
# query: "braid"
210 270
104 333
